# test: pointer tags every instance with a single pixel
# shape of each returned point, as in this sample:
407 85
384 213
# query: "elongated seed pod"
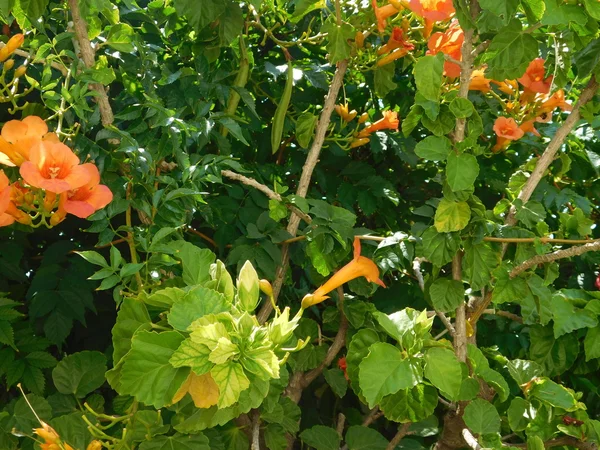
281 111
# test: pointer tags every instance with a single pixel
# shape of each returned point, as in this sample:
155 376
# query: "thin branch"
402 431
460 322
339 427
373 415
543 240
87 54
29 56
202 236
564 441
470 439
446 323
255 430
307 171
555 144
508 315
480 48
452 60
549 257
417 271
265 190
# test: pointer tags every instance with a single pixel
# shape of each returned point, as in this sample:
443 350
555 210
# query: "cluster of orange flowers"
52 440
52 176
389 121
7 50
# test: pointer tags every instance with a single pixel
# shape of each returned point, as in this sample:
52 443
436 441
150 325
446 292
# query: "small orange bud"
363 118
359 142
15 42
57 217
265 287
8 65
20 71
4 54
359 38
94 445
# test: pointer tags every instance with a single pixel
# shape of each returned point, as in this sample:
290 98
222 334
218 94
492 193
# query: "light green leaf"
385 371
428 76
553 394
535 443
447 295
94 258
444 371
321 438
132 316
196 261
305 127
80 373
519 414
481 417
197 302
303 7
191 354
209 334
410 405
337 40
567 318
221 280
592 343
177 442
434 148
461 171
147 374
451 216
478 262
224 351
120 36
248 290
231 380
461 108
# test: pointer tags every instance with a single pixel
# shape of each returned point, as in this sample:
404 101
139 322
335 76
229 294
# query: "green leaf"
481 417
80 373
553 394
428 76
72 429
385 371
7 335
321 438
512 50
94 258
24 417
461 171
224 351
518 414
410 405
523 371
303 7
567 318
336 380
130 269
357 351
384 81
147 374
305 128
439 248
535 443
200 14
534 9
554 355
364 438
592 343
275 437
231 380
221 280
196 262
446 295
531 213
177 442
588 58
194 355
478 262
461 108
120 36
248 290
434 148
451 216
132 316
197 302
444 371
337 40
560 14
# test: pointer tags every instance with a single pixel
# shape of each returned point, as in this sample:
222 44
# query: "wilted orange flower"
359 39
383 13
89 198
343 366
359 142
18 136
534 80
5 191
528 127
556 100
389 121
479 82
509 87
449 43
54 167
395 41
360 266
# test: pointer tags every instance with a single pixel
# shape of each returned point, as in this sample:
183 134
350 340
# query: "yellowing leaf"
451 216
204 390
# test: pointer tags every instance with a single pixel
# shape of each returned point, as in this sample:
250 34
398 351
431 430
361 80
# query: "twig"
203 236
543 240
549 257
470 439
417 271
373 415
255 430
447 404
446 323
460 322
452 60
565 441
480 48
87 54
402 431
309 166
29 56
339 427
265 190
499 312
555 144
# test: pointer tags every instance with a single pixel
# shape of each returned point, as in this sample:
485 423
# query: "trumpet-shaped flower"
382 13
528 127
507 130
449 43
54 167
342 110
479 82
19 136
389 121
432 10
395 41
360 266
92 196
556 100
533 78
5 191
509 87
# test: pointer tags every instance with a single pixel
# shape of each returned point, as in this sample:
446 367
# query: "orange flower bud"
359 39
363 118
15 42
20 71
396 54
359 142
8 65
265 287
94 445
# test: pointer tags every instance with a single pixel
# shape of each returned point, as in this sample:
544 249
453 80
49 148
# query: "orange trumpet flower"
528 127
509 87
395 41
556 100
479 82
383 13
533 78
360 266
18 136
5 191
432 10
507 130
54 167
449 43
89 198
389 121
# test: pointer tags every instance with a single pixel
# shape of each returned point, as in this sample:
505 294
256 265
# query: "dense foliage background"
267 131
